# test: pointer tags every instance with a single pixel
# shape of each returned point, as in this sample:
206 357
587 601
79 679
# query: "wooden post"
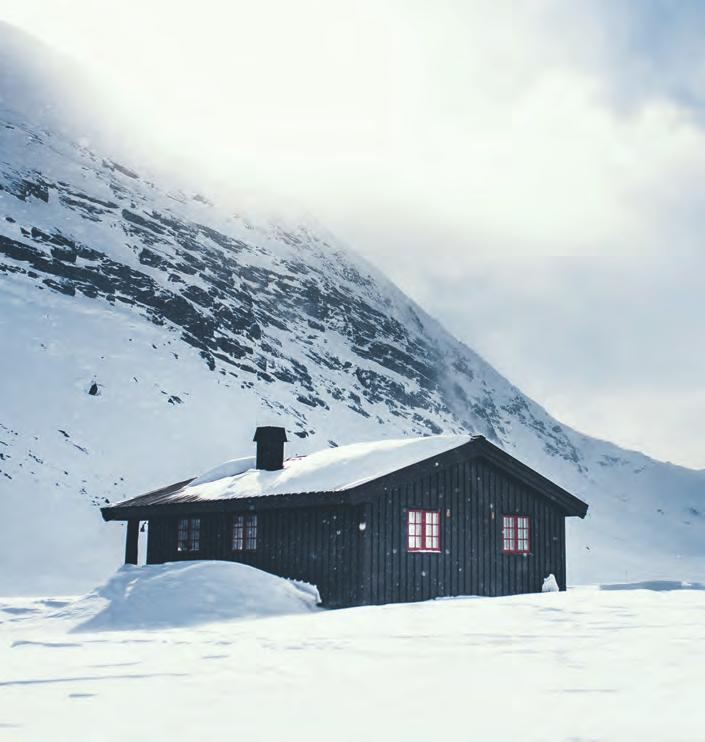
133 527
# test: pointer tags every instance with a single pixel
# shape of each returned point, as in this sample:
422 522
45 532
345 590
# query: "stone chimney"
270 447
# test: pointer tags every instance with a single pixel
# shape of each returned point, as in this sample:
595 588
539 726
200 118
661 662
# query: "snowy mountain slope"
145 332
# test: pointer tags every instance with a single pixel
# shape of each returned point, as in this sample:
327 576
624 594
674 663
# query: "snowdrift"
186 594
654 585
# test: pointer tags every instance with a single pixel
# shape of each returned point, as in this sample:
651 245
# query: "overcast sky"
533 173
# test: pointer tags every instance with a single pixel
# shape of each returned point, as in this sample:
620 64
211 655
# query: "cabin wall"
325 545
319 545
472 496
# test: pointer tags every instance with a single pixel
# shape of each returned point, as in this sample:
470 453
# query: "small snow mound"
550 585
231 468
658 585
186 594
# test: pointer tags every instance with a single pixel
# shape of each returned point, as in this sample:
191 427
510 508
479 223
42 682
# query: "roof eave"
572 505
129 511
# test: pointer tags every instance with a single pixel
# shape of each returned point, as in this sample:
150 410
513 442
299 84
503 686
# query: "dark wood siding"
472 497
317 537
316 545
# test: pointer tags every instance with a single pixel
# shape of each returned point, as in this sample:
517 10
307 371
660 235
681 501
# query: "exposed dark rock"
25 189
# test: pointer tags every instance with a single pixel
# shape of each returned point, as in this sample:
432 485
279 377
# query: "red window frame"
244 532
516 534
423 530
188 534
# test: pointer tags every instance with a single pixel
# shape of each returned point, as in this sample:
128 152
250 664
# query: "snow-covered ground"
589 664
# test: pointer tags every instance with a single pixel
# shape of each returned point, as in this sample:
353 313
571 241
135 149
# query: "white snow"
466 668
329 470
231 468
663 585
187 593
550 585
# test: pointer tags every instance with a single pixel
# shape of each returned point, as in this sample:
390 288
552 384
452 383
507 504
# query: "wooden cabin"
384 522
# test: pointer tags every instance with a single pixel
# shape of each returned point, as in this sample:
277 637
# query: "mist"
531 175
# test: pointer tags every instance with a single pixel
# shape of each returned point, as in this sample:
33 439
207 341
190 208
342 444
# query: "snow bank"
329 470
550 585
185 594
658 585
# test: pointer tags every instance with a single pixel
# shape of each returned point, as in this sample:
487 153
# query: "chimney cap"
270 433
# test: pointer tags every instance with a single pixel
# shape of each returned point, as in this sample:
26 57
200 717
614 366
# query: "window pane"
194 540
238 533
251 532
182 535
414 529
523 538
431 529
515 533
509 533
423 529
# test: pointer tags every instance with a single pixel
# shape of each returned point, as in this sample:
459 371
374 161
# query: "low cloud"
530 172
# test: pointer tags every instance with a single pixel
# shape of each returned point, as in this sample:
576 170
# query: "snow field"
588 664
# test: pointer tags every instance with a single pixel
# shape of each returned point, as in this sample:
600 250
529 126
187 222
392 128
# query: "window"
188 534
424 530
244 532
515 534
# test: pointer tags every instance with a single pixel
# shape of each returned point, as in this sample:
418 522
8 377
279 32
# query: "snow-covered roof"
329 470
333 470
